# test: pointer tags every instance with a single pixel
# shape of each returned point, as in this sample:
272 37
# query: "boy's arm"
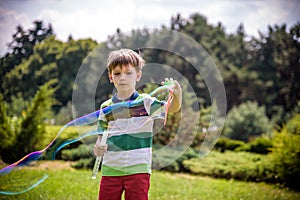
99 149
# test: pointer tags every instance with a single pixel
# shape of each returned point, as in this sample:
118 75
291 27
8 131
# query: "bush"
76 153
238 165
286 156
228 144
188 154
293 125
81 155
167 160
86 163
261 145
247 121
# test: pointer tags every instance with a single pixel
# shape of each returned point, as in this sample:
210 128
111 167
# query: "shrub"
261 145
76 153
86 163
188 154
168 160
246 121
238 165
293 125
81 155
224 143
286 156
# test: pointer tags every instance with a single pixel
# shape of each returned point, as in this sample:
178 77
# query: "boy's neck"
115 99
124 95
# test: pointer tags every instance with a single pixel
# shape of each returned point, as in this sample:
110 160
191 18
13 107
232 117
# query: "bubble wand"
169 86
99 158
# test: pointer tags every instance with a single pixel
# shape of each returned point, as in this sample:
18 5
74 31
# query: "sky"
97 19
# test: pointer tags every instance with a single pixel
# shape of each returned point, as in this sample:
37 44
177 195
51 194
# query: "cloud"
94 22
270 13
9 20
97 19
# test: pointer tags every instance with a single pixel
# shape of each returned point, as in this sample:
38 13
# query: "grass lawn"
77 184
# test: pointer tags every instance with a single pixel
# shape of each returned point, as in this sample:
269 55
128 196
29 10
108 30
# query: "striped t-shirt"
130 129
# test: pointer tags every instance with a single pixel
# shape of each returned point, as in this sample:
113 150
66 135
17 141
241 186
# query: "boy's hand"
176 102
99 150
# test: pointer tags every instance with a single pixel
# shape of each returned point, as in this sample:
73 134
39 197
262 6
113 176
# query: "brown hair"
124 57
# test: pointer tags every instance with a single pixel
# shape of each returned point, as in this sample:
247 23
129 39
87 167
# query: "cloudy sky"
97 19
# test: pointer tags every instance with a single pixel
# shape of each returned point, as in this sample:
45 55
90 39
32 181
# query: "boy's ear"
110 77
139 76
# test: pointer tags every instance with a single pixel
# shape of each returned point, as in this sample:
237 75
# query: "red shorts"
135 186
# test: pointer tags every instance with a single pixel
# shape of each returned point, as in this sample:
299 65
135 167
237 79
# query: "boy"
126 164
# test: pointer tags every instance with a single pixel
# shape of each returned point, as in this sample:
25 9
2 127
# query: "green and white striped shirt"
130 131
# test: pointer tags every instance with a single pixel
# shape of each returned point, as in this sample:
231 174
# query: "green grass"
166 186
77 184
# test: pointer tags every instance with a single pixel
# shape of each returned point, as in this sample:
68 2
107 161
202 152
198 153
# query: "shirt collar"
132 97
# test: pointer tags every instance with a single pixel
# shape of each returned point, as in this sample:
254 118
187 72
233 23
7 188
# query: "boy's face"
124 78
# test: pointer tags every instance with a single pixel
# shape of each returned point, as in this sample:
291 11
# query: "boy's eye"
117 73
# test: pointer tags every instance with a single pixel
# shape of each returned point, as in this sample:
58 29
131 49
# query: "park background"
259 144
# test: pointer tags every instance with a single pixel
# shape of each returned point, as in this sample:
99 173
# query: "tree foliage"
252 69
275 58
246 122
263 69
22 134
51 59
22 45
7 132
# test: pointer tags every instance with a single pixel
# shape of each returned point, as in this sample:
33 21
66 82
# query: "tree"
24 41
7 132
265 69
21 48
51 59
27 133
246 122
275 58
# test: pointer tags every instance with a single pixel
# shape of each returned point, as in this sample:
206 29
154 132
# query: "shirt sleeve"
154 107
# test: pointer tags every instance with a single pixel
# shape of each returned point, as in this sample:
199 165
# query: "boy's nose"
123 75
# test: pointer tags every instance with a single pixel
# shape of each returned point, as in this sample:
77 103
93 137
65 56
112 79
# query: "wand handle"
99 158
